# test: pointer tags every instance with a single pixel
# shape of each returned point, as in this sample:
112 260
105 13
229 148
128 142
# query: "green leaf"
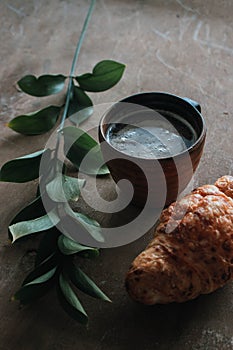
84 283
25 228
64 188
44 85
36 288
77 145
68 246
47 265
83 222
80 107
105 75
22 169
33 210
48 245
91 225
70 302
36 123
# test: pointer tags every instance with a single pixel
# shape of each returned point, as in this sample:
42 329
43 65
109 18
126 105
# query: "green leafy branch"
104 76
55 264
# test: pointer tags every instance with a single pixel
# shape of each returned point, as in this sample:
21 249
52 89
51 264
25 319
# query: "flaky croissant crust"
192 250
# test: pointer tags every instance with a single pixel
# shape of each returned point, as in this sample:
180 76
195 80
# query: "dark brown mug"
159 179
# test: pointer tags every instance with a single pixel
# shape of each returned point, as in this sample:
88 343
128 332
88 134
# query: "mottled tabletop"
180 46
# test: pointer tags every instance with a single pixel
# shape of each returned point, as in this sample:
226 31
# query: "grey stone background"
179 46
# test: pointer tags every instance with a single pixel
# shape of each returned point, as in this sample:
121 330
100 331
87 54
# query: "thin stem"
72 70
77 51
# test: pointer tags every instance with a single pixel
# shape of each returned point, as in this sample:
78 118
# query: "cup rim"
189 149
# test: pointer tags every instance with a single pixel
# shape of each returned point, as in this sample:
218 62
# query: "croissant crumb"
192 250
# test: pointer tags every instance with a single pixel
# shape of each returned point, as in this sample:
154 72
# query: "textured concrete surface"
183 47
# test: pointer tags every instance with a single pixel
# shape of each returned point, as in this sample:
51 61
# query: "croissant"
192 250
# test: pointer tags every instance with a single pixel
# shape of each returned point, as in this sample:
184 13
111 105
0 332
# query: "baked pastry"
192 250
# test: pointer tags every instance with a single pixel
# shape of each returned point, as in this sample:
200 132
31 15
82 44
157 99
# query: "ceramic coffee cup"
159 178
